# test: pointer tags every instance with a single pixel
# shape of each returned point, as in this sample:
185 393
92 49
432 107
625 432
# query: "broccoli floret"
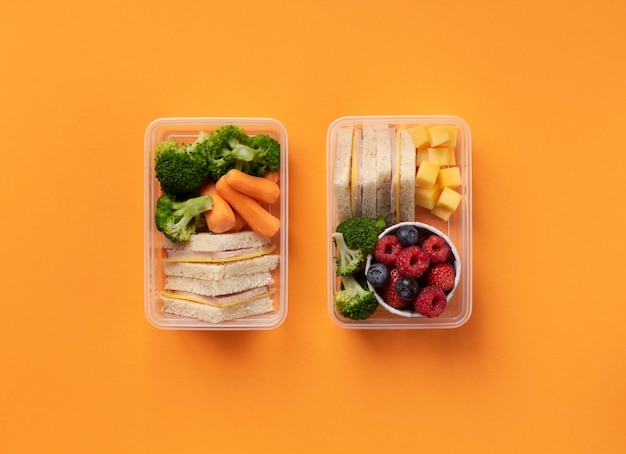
349 260
353 301
229 147
267 156
179 220
181 169
360 232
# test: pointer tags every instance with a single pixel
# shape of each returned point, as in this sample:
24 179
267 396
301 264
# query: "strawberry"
441 275
388 292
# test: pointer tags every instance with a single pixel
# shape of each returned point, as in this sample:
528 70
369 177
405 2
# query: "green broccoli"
229 147
360 232
353 301
178 220
181 169
349 260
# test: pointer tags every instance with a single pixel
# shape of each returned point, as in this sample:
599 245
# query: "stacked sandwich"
386 170
218 277
375 173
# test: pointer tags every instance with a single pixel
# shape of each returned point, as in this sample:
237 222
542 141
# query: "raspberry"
430 301
387 249
441 275
437 249
388 292
412 262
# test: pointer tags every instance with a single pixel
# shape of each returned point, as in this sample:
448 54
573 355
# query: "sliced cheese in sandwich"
210 287
216 314
218 247
342 173
368 174
219 271
407 167
355 180
385 206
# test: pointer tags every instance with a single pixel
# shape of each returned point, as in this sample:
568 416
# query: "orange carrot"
259 188
240 223
258 218
220 218
272 175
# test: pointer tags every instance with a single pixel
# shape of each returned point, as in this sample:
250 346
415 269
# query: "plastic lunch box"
458 228
186 130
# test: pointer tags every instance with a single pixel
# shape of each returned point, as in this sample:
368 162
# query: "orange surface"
540 366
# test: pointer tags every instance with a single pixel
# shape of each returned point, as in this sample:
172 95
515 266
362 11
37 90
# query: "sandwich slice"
405 195
218 277
368 173
342 173
385 204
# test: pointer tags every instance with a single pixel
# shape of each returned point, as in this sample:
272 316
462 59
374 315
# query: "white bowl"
409 313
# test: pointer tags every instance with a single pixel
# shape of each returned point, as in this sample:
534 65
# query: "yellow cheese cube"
438 135
442 213
453 133
427 197
449 199
419 136
451 157
426 175
449 177
421 156
439 156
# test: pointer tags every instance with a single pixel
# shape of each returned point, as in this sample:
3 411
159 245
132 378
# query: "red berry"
441 275
387 249
437 249
388 292
430 301
412 262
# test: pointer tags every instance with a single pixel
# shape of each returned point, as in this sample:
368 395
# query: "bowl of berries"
414 270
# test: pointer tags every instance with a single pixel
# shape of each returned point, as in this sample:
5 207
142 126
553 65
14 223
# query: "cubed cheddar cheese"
449 177
421 156
438 135
419 136
451 157
427 197
449 199
442 213
439 156
426 175
452 133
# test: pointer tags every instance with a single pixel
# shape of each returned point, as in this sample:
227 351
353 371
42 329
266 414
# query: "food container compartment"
186 130
458 228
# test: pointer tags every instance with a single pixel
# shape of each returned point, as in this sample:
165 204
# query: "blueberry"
407 288
407 235
377 274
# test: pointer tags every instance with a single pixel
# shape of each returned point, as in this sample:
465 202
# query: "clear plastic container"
186 130
458 228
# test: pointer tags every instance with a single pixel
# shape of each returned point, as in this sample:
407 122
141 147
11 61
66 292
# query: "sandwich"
374 174
219 277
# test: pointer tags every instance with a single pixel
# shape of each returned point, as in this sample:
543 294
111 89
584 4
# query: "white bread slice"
214 314
215 272
407 175
341 173
234 284
368 174
383 173
217 242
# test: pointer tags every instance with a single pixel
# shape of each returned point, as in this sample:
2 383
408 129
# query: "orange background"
540 366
